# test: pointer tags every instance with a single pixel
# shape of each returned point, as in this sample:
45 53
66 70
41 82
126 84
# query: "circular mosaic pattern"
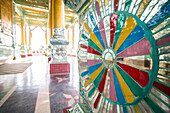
118 59
121 51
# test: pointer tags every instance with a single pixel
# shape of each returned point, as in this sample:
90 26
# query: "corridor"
35 92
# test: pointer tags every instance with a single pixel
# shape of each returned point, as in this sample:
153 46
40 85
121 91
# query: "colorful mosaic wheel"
124 56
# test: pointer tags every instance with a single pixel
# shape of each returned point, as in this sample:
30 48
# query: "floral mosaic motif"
122 51
59 52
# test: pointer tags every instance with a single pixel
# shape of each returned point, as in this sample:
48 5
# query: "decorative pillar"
59 64
29 48
51 18
26 48
72 50
22 33
14 31
68 39
30 36
22 48
50 27
25 36
68 36
73 35
46 39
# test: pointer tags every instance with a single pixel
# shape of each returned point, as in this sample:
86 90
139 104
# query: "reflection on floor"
34 90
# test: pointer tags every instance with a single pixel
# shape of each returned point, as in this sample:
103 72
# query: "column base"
29 55
49 59
23 56
59 69
14 58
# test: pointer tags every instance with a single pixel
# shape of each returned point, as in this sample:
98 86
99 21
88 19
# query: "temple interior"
84 56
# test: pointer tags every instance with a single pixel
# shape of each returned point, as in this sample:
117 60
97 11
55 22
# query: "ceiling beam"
67 16
33 20
36 5
17 17
38 24
36 16
34 10
69 11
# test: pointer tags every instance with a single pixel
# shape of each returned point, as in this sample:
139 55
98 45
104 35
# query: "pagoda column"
51 18
22 33
50 27
29 48
30 36
73 35
73 39
22 48
68 36
46 42
46 39
59 64
25 36
26 48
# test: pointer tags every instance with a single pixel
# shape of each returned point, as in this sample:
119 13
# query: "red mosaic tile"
59 68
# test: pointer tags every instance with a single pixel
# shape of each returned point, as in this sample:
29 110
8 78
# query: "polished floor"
34 91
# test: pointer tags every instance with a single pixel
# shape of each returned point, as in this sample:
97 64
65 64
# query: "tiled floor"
35 92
